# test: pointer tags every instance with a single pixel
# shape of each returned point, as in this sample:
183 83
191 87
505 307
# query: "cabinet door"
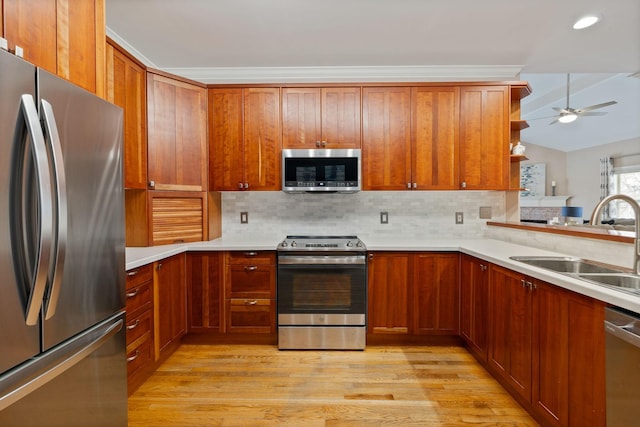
435 137
177 134
262 139
170 302
31 24
484 137
126 88
386 138
177 217
301 123
204 291
341 117
389 276
510 334
474 298
226 135
436 295
568 357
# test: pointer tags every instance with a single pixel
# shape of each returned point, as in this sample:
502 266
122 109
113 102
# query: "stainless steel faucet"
597 213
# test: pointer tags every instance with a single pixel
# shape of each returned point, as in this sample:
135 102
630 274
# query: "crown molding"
347 74
326 74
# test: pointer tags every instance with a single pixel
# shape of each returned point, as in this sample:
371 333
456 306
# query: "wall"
421 214
555 169
583 170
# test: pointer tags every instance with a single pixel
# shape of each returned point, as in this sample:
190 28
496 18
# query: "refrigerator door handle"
32 271
60 211
32 384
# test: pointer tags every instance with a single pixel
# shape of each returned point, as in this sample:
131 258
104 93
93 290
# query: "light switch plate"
459 218
384 217
244 217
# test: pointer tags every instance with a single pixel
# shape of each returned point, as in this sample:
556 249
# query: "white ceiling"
218 41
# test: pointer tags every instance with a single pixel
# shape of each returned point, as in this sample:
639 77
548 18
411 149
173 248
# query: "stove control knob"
294 244
359 244
349 244
284 244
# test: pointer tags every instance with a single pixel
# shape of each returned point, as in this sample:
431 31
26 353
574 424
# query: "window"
625 180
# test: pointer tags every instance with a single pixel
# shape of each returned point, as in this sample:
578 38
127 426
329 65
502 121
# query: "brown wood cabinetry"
518 91
177 217
177 134
388 292
126 87
434 138
386 138
139 326
548 345
436 294
327 117
484 137
245 139
65 37
205 292
170 294
474 304
250 291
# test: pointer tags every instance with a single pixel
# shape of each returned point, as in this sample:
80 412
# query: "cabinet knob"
370 257
246 185
152 184
408 185
415 185
249 268
324 143
240 185
318 144
159 266
463 184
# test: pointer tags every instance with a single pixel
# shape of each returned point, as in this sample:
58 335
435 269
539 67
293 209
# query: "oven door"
322 289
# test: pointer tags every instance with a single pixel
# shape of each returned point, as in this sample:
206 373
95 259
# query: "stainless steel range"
322 293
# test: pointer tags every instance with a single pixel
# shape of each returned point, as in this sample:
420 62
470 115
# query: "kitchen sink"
565 264
623 281
586 270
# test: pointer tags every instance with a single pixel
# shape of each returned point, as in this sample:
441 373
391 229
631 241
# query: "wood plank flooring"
257 385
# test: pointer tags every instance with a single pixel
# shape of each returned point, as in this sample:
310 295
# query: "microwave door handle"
60 214
34 271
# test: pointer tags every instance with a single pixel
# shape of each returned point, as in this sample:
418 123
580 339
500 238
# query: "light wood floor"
243 385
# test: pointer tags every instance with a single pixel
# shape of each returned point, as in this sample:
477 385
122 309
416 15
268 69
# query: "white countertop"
494 251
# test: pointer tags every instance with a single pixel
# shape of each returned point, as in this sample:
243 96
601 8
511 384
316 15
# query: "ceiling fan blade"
594 113
545 117
595 107
554 122
561 110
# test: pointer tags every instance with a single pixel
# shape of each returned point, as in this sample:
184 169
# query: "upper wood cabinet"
484 137
126 87
65 37
245 140
386 138
177 134
326 117
434 138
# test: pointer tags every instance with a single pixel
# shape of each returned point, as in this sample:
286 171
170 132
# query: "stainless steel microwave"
321 170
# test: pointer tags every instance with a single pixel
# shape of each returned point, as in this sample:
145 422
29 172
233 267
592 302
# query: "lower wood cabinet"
413 293
139 326
547 344
170 304
205 303
474 304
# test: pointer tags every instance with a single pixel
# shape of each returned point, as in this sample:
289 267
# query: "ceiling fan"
568 114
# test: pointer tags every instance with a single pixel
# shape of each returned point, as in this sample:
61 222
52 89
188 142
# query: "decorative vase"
518 149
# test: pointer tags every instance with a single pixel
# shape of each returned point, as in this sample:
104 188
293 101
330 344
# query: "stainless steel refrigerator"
62 335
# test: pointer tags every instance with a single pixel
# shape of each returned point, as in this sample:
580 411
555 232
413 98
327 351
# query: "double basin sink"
586 270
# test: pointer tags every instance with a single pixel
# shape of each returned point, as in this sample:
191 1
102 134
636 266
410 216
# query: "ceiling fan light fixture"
567 118
585 21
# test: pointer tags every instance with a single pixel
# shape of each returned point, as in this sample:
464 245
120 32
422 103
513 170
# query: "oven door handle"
322 260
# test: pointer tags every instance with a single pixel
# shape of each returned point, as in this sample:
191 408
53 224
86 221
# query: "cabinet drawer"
251 257
138 299
140 357
251 315
138 326
139 275
250 281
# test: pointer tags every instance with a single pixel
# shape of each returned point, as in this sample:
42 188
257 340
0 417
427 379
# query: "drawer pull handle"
254 302
250 253
250 268
134 357
134 325
133 294
132 273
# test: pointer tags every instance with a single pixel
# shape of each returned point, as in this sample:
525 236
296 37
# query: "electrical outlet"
384 217
485 212
459 218
244 217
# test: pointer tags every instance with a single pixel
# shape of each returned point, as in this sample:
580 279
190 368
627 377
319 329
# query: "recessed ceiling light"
585 21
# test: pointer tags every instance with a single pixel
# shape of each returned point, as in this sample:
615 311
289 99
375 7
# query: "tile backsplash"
428 214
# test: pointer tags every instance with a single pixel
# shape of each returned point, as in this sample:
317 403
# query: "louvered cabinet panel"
177 217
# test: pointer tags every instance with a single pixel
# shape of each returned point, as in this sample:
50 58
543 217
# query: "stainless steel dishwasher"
622 330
